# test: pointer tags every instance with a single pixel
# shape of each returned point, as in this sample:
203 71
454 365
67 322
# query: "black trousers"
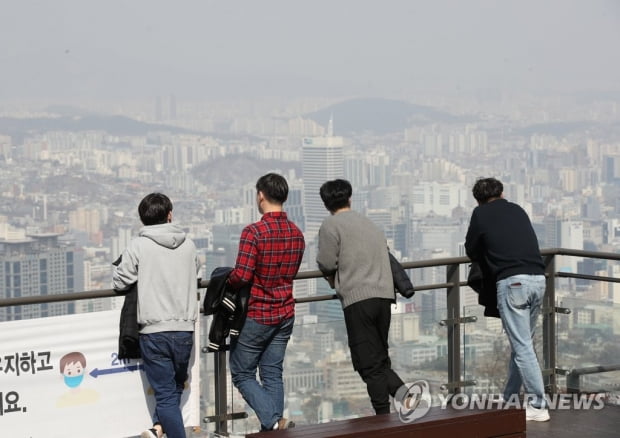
368 324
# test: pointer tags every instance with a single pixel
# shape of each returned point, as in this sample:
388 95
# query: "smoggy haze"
119 49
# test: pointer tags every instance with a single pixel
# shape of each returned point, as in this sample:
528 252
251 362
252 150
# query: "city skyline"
412 101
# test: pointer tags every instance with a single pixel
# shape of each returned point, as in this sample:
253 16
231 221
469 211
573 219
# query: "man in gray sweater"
162 260
353 256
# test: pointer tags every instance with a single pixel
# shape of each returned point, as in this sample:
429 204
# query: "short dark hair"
274 188
336 194
487 188
154 209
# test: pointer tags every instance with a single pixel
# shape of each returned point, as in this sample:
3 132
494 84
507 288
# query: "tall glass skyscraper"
322 160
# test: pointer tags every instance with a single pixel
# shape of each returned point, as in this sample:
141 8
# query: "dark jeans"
166 358
368 324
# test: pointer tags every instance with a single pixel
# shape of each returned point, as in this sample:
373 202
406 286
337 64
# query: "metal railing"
573 384
453 323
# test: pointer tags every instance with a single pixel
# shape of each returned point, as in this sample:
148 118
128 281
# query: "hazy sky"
204 48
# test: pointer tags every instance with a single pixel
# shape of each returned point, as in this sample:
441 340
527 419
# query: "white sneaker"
283 423
412 402
536 414
150 433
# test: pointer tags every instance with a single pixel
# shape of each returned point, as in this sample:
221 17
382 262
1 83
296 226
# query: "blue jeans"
166 358
519 299
261 346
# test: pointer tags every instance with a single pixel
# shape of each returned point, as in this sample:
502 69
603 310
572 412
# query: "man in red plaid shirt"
270 252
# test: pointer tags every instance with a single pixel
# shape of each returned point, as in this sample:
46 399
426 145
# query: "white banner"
111 399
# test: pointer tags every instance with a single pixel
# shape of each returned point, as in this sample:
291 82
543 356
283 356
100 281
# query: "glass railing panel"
213 365
419 343
588 339
485 352
319 379
486 349
320 382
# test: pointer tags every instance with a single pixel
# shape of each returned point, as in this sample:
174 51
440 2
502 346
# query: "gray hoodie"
163 261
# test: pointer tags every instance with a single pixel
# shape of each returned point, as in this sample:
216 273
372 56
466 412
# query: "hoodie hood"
167 235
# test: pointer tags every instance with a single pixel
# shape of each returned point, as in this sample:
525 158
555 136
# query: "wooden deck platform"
603 423
438 423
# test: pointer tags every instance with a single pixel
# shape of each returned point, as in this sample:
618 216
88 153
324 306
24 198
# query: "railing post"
549 328
454 330
221 413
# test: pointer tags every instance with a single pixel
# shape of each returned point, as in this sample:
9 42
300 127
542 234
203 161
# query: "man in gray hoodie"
162 261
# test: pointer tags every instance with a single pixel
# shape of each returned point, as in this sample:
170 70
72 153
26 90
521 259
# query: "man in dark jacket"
501 236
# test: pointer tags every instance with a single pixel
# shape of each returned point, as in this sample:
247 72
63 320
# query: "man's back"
501 234
355 247
270 253
162 260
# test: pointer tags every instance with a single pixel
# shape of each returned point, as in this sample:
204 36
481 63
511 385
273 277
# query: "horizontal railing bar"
54 298
316 298
587 277
203 283
109 293
231 416
581 253
594 369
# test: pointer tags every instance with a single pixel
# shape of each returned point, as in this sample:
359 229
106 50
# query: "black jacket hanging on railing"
228 306
483 283
129 329
402 283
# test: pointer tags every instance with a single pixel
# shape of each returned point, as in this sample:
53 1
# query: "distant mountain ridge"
81 121
354 116
379 116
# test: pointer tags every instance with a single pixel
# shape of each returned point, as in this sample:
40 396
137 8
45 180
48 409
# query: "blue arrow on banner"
128 368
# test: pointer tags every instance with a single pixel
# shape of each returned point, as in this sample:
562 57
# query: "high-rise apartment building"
39 265
564 233
85 219
120 242
367 169
294 206
611 168
438 198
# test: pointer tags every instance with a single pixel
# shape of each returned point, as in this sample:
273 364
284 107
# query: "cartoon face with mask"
72 368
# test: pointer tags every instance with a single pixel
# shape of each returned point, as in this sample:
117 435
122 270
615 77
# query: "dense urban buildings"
69 195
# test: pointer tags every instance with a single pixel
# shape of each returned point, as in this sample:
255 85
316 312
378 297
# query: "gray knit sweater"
353 248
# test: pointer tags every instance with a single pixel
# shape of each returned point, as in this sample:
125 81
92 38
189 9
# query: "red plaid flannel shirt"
270 252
